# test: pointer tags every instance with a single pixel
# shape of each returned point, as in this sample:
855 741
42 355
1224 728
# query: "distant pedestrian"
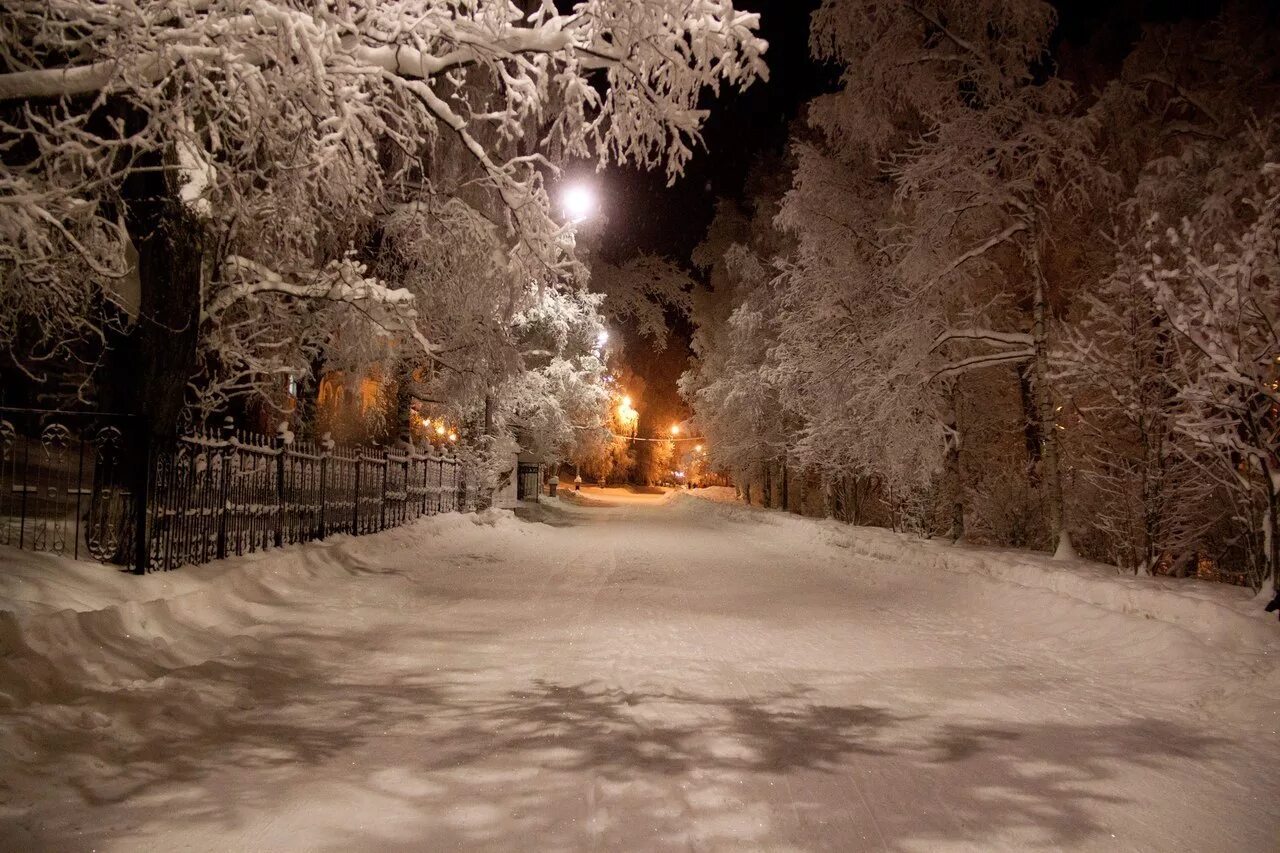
577 482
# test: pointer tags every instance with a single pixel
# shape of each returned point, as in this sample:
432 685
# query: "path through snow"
650 674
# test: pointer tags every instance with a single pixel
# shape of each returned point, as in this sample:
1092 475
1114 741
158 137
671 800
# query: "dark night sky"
645 215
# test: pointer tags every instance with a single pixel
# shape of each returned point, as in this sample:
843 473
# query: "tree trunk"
1051 479
308 410
954 472
148 367
1272 541
786 505
402 429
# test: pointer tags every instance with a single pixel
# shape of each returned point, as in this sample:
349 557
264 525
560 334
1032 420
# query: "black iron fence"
65 486
79 490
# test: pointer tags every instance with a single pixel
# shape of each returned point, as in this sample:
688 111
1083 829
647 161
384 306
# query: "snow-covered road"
651 675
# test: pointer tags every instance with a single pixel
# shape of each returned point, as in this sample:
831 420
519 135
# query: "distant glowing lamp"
453 436
675 429
440 429
579 202
697 448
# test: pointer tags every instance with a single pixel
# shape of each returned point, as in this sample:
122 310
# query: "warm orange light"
439 429
675 429
628 417
697 448
453 436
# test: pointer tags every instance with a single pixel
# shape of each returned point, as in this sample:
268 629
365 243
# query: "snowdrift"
1217 613
69 626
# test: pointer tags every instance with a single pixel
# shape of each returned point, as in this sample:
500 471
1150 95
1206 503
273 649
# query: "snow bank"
68 625
1218 613
718 494
617 496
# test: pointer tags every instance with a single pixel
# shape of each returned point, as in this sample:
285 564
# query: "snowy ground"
626 672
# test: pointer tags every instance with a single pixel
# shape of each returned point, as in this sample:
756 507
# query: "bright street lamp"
675 429
579 202
627 415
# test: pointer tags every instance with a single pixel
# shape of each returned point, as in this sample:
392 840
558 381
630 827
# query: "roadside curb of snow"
1219 614
166 621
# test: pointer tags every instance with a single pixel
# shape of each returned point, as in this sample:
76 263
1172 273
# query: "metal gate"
528 482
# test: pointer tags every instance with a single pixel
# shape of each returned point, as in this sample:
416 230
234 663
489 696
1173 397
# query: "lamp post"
579 202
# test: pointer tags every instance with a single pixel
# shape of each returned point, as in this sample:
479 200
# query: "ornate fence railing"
71 484
65 486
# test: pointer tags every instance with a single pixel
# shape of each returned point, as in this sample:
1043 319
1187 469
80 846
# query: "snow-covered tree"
1191 128
1140 486
1222 300
920 212
241 149
642 292
731 384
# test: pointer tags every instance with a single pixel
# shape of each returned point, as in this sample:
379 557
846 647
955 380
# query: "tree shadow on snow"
246 734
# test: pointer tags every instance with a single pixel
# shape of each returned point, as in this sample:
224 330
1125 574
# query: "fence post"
404 505
382 502
447 506
141 541
26 476
280 451
355 504
79 490
326 448
462 488
228 448
426 474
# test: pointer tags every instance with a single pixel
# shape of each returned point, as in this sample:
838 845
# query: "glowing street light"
628 417
697 448
579 202
675 429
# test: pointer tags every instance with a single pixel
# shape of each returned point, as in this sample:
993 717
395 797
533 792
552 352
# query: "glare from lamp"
579 202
